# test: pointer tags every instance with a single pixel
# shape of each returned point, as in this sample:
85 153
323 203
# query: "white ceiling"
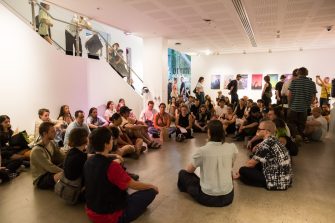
301 23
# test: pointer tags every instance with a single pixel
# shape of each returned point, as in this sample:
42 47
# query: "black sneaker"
134 176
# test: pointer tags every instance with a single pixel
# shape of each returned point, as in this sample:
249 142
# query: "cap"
124 109
282 77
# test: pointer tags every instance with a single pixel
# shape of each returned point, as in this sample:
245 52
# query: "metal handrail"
97 32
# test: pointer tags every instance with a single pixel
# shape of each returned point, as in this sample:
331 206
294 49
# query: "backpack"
69 190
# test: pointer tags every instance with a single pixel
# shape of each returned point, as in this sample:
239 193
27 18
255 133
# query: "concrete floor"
311 199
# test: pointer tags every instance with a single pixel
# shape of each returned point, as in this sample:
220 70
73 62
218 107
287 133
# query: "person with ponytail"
214 188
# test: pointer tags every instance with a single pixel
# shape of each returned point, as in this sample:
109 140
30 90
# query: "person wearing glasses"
270 166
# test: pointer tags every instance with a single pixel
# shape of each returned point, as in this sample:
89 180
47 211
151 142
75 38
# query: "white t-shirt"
322 121
109 113
220 111
215 161
146 114
200 87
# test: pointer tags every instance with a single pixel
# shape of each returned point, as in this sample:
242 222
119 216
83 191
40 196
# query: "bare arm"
190 168
136 185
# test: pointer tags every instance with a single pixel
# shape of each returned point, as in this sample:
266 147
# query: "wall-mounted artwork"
288 77
256 81
273 79
243 83
215 81
227 79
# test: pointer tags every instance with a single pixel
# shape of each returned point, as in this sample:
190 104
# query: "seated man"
106 184
94 121
215 187
189 102
45 158
78 123
326 112
136 128
147 116
316 126
202 118
249 127
270 166
195 108
44 116
124 145
184 124
221 109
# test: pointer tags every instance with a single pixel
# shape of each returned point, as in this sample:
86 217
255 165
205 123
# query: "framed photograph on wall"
215 81
256 81
273 79
243 83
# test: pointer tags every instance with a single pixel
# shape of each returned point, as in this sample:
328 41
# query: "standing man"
182 90
301 94
232 86
284 91
278 89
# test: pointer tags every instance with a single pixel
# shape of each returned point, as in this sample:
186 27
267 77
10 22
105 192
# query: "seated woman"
122 103
215 160
65 115
110 110
12 156
94 121
228 120
210 107
184 123
106 184
162 120
76 157
124 145
201 120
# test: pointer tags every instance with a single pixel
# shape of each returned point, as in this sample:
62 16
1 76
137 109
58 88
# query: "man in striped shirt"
301 93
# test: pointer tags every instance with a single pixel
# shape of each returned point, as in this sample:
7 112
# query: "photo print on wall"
256 81
243 83
215 81
273 79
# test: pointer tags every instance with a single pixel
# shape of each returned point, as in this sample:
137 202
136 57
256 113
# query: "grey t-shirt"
215 161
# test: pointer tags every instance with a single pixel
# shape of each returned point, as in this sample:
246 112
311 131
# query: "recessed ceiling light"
244 52
98 8
270 51
177 44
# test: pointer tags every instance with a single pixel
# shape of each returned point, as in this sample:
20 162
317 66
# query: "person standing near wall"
199 90
325 89
45 22
77 25
232 86
278 88
301 94
267 91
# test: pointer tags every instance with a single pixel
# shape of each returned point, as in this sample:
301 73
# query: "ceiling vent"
242 13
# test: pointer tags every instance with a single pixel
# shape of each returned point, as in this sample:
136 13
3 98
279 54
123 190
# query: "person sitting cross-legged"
106 185
316 126
215 187
202 118
45 158
270 166
184 122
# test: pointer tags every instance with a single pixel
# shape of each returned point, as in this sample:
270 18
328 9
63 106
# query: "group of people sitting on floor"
69 149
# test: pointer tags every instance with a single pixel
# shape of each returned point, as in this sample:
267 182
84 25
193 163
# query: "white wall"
316 61
155 66
34 75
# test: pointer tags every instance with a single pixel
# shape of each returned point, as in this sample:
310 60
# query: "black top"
203 118
239 111
233 84
268 89
5 137
74 164
182 87
183 120
279 86
195 110
102 196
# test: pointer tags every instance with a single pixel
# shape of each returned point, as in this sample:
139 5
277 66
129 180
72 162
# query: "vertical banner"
179 74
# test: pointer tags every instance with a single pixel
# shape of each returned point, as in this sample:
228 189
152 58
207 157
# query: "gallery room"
167 111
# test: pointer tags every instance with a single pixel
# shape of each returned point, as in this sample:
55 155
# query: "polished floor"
311 199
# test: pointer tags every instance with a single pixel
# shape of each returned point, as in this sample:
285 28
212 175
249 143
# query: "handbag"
19 140
69 190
